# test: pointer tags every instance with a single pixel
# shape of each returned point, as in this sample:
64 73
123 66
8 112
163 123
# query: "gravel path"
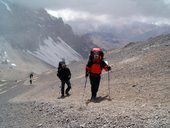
140 95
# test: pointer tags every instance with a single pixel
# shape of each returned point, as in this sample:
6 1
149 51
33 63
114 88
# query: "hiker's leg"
30 81
62 87
68 87
97 83
93 86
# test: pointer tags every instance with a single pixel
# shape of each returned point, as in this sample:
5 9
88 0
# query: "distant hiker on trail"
94 69
64 75
31 77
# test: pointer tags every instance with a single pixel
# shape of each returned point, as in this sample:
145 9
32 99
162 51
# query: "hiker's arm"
59 75
88 68
69 76
105 66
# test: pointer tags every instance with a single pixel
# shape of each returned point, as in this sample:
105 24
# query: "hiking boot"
93 99
67 94
62 96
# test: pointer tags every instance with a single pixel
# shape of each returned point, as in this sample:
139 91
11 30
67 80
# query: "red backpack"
96 53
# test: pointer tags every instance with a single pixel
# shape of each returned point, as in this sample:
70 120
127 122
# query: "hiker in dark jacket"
94 69
64 75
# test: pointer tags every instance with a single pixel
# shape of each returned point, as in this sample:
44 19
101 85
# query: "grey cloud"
115 8
155 8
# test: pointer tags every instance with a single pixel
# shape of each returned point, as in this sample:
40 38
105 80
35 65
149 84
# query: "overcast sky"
106 11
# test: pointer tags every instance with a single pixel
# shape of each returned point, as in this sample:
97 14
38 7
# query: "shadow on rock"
100 99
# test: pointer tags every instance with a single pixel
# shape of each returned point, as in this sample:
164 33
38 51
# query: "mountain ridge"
28 29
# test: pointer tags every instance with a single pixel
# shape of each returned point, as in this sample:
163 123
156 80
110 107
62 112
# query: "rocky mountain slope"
35 32
16 64
139 93
117 35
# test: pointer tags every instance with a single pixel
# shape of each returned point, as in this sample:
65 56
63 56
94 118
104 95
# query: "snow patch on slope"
6 5
4 58
52 52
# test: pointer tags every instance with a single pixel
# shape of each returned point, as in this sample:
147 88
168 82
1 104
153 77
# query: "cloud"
106 10
73 15
154 8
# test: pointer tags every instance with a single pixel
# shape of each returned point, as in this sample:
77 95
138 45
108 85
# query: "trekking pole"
109 85
108 81
59 89
84 88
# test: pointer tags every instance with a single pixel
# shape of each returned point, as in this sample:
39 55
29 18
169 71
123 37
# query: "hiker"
64 75
31 77
94 69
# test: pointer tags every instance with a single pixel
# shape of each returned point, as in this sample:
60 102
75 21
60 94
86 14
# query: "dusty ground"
139 91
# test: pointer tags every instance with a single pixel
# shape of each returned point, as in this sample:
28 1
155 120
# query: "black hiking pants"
63 87
94 81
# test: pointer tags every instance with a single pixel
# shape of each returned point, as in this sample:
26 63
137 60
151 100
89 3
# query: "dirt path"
139 91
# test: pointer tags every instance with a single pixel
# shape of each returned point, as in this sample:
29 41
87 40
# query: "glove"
108 68
69 77
87 74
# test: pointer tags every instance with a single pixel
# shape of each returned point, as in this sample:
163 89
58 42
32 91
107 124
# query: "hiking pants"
94 81
63 86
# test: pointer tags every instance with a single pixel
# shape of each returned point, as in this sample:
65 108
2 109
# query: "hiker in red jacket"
94 69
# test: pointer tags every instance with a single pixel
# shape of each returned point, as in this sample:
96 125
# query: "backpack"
96 51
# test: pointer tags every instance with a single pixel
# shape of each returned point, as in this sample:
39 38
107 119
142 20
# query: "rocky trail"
139 94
